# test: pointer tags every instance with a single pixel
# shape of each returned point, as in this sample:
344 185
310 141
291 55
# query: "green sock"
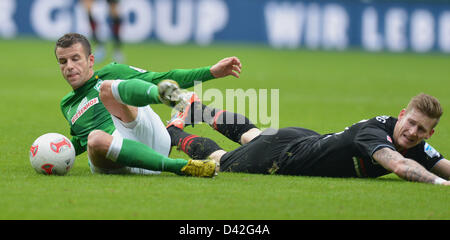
138 93
136 154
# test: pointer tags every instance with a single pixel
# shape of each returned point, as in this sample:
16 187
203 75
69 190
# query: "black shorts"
261 155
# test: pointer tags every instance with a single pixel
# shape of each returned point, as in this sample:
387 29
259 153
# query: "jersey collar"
88 84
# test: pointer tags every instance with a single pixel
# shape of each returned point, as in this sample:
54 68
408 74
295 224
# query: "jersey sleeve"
184 77
371 138
425 155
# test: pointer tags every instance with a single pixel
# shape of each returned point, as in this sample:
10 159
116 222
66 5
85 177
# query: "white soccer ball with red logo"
52 153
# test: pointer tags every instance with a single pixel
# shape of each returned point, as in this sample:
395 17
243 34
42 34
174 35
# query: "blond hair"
427 105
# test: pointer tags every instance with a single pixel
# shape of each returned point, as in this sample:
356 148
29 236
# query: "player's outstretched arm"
442 169
406 168
227 66
186 78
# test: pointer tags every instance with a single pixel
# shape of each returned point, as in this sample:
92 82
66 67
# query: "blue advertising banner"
371 25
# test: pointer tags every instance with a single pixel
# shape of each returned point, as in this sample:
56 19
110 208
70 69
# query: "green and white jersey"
85 112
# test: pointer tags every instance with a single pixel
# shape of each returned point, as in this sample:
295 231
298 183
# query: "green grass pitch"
324 91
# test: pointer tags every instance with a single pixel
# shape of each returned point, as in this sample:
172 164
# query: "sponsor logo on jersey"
430 151
389 139
83 107
82 103
360 168
97 85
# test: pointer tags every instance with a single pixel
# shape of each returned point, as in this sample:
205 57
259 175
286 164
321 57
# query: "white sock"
115 90
114 148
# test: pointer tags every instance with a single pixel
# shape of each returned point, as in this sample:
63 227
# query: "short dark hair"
70 39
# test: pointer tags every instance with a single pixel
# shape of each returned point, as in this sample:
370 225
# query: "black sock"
194 146
116 23
231 125
93 25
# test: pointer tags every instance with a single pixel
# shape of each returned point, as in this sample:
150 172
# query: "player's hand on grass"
227 66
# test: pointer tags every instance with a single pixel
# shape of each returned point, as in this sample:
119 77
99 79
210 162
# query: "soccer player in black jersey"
369 148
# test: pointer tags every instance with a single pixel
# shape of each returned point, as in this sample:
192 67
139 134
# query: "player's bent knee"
98 145
98 140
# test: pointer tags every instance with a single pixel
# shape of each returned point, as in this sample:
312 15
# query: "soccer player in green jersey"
109 114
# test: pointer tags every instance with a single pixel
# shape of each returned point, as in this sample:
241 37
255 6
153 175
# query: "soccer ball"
52 153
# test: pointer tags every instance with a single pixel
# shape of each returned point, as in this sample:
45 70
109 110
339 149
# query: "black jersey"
349 153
